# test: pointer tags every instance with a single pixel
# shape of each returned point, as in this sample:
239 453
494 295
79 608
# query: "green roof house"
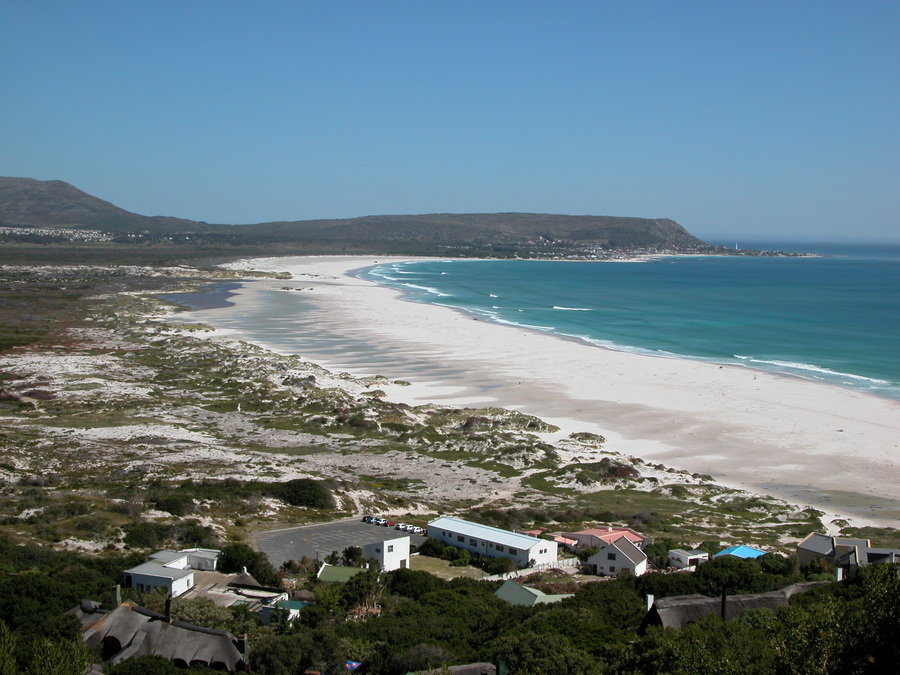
338 573
517 594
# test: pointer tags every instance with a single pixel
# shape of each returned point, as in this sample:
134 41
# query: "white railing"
543 567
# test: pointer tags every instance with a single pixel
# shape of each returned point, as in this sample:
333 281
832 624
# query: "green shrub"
303 492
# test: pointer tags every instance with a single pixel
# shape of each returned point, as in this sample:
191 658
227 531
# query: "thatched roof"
245 580
130 631
680 610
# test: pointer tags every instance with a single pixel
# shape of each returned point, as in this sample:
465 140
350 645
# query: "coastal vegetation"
128 428
125 426
427 622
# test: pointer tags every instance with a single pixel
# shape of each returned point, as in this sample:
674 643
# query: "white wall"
543 551
392 554
175 587
609 561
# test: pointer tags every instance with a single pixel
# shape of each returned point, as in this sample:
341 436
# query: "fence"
543 567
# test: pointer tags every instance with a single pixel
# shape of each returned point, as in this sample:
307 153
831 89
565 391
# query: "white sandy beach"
802 441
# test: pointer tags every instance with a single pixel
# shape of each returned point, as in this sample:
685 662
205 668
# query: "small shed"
681 559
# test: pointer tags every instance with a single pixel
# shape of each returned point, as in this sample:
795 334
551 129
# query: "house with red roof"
598 536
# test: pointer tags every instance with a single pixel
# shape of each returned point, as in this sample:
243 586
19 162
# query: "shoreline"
808 443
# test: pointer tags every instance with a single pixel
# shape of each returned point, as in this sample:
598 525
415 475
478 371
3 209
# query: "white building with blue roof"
522 549
742 552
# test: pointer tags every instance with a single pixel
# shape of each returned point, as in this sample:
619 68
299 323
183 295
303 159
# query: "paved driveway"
317 541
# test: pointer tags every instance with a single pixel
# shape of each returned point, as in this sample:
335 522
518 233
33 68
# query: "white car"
380 521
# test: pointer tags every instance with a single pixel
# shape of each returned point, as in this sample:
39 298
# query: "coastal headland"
805 442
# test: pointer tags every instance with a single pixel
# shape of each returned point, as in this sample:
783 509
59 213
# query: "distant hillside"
29 203
54 203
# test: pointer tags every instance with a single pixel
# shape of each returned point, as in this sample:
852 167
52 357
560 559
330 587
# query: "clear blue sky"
733 118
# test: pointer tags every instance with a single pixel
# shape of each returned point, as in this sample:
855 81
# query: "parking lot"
317 541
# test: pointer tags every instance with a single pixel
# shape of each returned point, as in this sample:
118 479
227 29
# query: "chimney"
244 648
650 600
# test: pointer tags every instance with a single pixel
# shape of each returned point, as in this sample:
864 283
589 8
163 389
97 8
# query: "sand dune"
806 442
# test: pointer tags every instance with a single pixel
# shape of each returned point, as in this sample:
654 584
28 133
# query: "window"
610 556
459 537
499 548
612 569
513 551
473 542
390 548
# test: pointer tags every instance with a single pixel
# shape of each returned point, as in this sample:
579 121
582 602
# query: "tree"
64 657
411 583
145 665
361 589
352 556
534 653
236 556
709 645
419 657
8 645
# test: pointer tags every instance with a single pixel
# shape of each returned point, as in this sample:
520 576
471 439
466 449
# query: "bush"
145 535
304 492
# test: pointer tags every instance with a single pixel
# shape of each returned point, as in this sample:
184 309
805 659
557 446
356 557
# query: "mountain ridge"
31 203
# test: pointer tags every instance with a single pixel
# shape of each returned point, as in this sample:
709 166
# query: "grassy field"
442 568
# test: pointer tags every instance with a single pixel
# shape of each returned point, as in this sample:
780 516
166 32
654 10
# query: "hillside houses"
843 552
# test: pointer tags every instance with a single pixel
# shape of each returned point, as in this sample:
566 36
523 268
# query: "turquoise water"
833 318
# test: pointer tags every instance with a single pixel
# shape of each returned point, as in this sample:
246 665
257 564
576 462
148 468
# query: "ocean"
832 318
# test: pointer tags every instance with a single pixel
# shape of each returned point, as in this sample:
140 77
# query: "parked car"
380 521
418 530
368 519
402 526
389 523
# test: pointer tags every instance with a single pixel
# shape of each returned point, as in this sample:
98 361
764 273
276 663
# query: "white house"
597 536
617 556
683 560
392 554
523 549
171 570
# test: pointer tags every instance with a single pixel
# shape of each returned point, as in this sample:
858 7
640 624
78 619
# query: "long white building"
523 549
